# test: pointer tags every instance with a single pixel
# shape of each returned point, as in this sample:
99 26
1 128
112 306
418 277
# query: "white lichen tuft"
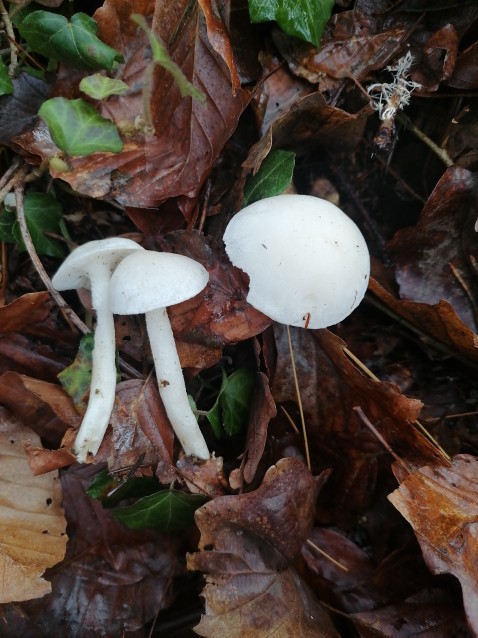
390 97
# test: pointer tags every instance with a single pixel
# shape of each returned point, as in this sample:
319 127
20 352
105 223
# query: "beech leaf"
246 544
32 533
441 504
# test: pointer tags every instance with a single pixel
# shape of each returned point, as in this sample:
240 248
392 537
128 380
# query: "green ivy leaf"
43 214
230 413
78 129
76 378
100 87
303 19
273 177
166 511
6 84
75 42
111 490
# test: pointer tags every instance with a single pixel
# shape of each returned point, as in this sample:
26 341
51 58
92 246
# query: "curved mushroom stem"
172 388
103 372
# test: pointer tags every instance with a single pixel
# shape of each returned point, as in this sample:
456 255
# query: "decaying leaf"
435 258
331 386
113 580
29 309
437 324
441 504
220 314
178 156
32 528
141 430
42 406
247 543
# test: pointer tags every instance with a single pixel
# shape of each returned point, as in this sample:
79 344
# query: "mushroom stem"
172 388
103 372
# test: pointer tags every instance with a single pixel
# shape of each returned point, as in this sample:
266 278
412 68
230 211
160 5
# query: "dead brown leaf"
246 545
309 122
432 613
434 258
32 528
352 46
441 504
220 314
203 478
437 324
188 137
141 430
112 581
331 386
39 405
263 409
465 72
28 309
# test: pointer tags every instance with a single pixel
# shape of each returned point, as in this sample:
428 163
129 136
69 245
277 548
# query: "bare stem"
299 399
11 38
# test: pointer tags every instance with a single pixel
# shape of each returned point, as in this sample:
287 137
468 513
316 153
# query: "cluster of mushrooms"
308 266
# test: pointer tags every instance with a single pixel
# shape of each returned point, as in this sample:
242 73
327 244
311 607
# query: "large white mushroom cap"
306 260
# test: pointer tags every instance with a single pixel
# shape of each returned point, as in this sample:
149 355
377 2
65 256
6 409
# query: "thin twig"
299 399
366 421
11 39
361 365
69 314
17 176
327 556
290 419
9 172
439 152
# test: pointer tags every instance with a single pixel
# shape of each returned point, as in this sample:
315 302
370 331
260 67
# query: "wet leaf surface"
246 544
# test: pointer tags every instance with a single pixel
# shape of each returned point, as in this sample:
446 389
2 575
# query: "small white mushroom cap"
308 263
75 270
147 280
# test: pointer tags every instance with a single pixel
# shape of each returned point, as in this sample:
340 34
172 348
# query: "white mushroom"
148 282
308 263
90 266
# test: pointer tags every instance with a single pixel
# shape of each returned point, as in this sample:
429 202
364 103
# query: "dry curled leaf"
246 547
441 504
32 529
